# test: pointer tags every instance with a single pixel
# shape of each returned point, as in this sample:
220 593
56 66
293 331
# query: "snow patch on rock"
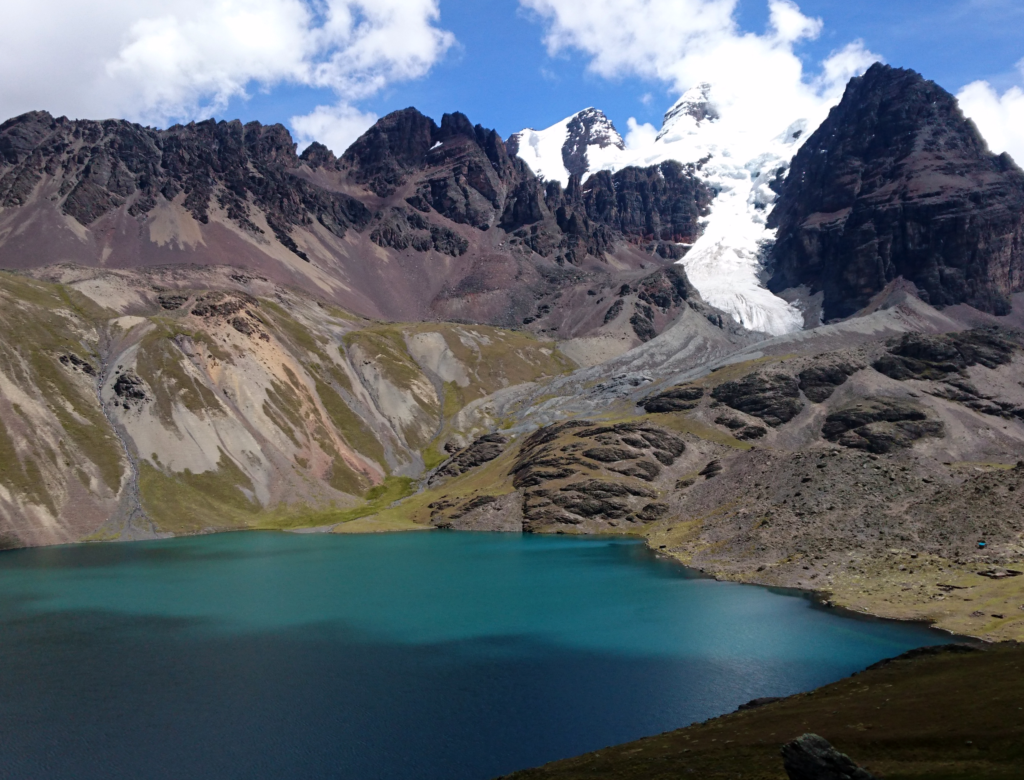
586 141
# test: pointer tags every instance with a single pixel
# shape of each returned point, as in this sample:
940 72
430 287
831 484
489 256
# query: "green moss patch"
357 434
432 457
22 477
734 371
37 326
292 331
681 423
376 500
491 479
386 346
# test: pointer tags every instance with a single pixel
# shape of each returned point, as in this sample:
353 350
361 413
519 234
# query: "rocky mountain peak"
316 155
567 148
695 103
589 127
897 183
476 234
99 168
395 144
22 134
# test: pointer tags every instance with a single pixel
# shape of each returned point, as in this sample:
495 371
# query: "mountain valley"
204 331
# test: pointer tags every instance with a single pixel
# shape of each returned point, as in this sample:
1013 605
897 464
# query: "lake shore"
953 713
901 586
950 597
930 590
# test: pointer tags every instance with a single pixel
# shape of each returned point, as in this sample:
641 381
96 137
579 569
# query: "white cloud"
757 78
336 127
789 25
183 59
194 58
999 117
841 66
640 136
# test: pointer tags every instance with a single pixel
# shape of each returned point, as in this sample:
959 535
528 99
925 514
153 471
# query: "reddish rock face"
896 182
414 221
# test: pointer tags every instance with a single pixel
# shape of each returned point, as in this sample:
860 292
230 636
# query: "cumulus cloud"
999 117
169 60
336 127
639 136
756 77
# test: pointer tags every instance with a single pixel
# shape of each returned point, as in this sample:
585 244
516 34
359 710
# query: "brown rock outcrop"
896 182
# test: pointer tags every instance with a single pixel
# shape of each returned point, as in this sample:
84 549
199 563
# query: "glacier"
739 160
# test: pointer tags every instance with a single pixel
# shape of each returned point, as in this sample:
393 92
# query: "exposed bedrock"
923 356
676 399
740 428
897 183
106 165
943 362
483 450
819 381
566 480
775 398
880 425
663 202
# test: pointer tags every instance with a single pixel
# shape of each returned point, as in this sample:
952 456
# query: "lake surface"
406 656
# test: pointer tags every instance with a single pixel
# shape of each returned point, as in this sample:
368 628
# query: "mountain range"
792 360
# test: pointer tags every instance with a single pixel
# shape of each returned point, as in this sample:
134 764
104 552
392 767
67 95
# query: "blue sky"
501 75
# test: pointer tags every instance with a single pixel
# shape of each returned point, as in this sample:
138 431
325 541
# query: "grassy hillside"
129 405
61 464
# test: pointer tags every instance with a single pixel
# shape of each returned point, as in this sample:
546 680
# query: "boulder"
483 450
820 381
811 757
640 469
713 469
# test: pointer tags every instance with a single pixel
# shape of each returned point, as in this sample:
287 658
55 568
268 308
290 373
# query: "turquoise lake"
424 655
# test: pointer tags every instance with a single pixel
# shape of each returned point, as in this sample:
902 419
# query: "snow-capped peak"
694 107
739 159
586 141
